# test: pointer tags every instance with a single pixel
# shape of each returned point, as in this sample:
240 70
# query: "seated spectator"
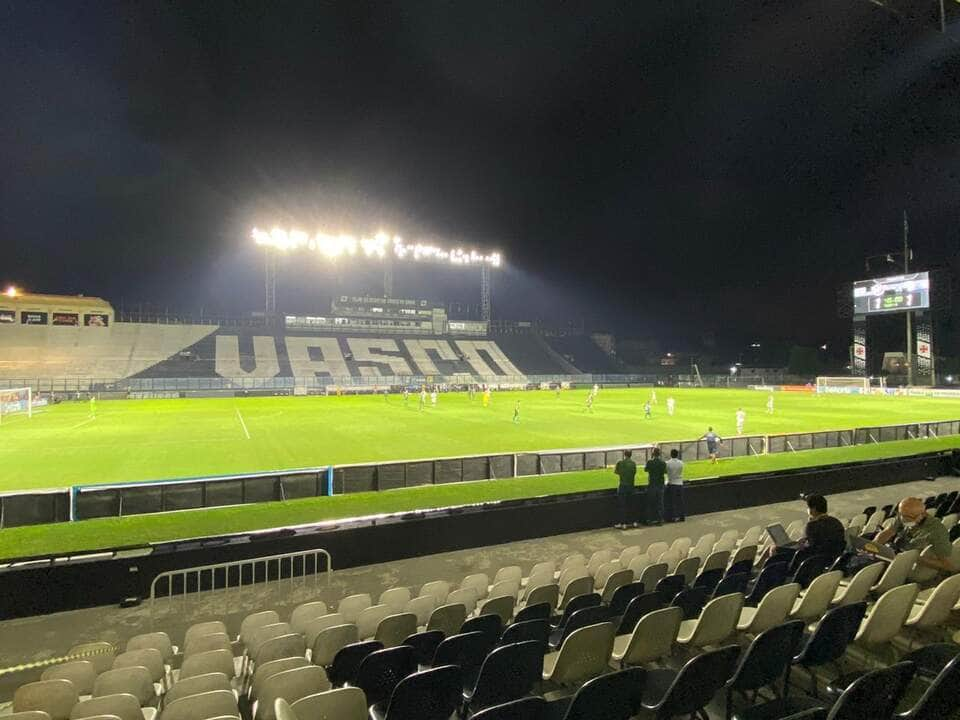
824 534
914 529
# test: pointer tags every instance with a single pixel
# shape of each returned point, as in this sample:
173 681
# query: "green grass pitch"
160 439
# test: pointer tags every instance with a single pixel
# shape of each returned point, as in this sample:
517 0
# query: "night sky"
662 168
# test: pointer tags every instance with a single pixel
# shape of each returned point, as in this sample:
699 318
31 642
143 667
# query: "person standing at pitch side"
713 443
626 471
656 471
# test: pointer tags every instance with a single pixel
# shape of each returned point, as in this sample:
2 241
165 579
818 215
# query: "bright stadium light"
10 291
379 247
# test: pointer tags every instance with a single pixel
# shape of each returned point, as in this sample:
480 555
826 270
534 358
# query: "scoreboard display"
897 293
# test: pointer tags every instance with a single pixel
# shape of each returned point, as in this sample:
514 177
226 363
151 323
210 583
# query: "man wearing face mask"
915 529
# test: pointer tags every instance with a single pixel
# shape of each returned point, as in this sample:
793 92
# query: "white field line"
242 423
82 423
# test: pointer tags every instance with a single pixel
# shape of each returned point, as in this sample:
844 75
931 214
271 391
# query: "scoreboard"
897 293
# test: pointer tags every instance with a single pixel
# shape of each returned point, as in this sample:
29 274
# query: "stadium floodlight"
378 246
11 292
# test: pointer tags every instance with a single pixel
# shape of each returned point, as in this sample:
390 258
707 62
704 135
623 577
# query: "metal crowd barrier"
240 574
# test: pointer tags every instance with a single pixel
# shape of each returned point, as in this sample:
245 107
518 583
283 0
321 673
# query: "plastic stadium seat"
897 572
440 589
716 623
268 670
428 695
584 654
511 572
124 707
352 605
35 715
598 559
508 673
156 640
205 643
284 646
347 703
629 553
940 699
581 618
703 546
447 619
576 588
815 601
394 629
382 670
937 608
668 694
197 685
773 610
425 644
501 606
829 640
688 569
54 697
652 574
886 618
528 708
653 638
614 696
206 705
766 661
79 672
464 596
638 607
369 618
538 630
503 588
318 625
538 611
771 576
135 681
544 594
396 599
467 651
347 661
101 654
656 549
291 685
330 641
249 624
859 586
149 658
718 559
303 614
623 595
690 601
478 581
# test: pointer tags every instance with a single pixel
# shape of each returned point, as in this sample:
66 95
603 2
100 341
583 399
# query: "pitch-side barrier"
82 502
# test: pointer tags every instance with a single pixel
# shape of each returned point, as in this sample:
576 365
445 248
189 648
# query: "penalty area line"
84 422
242 423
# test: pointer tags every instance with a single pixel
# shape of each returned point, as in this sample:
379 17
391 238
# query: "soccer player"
713 443
646 410
741 419
770 405
559 387
596 388
486 396
93 406
589 407
406 395
516 413
470 391
671 404
433 397
423 397
653 396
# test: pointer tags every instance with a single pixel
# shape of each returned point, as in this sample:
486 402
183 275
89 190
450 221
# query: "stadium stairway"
36 638
584 353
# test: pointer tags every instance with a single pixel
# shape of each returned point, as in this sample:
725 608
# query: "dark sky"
654 166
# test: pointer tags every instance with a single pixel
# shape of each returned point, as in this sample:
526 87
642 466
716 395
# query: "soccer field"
131 440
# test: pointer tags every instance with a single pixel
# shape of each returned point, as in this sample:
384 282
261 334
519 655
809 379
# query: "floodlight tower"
485 292
270 280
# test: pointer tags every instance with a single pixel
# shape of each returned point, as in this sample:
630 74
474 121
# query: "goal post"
16 401
848 384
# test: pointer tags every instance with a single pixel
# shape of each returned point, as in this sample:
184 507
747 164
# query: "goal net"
849 385
16 401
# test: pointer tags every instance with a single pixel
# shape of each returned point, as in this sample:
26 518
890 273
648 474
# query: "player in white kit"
741 419
433 397
770 405
653 397
671 403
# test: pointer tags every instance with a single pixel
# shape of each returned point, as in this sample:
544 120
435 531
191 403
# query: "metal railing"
241 574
